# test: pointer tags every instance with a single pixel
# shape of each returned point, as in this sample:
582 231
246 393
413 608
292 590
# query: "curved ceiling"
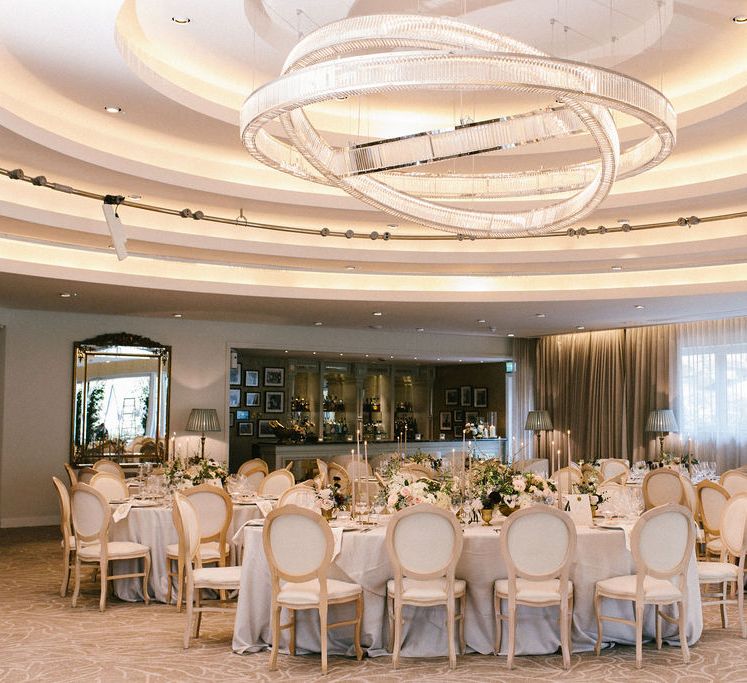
175 143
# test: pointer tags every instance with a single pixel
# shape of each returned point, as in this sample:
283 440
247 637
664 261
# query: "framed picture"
234 374
459 416
264 431
231 420
251 378
251 399
471 416
274 401
234 398
451 397
274 377
246 428
465 396
242 415
481 397
444 421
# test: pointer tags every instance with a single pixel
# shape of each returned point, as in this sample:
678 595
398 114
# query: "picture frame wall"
274 377
274 401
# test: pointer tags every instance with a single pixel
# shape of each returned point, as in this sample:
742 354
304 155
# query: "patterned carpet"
42 638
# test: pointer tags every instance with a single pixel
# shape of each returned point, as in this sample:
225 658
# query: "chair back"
276 482
106 465
321 465
565 478
187 524
662 543
534 465
337 474
298 545
214 511
301 495
662 486
528 558
417 471
614 468
424 542
64 499
691 498
110 485
734 526
71 474
91 516
712 498
252 466
254 477
734 481
85 474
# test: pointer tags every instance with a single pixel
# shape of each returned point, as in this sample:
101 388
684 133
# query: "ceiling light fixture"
377 313
318 324
420 329
510 334
349 267
740 19
617 269
181 20
177 315
112 110
541 315
580 327
366 55
481 320
68 295
639 307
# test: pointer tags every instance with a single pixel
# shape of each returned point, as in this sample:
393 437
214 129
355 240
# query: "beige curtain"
522 398
580 381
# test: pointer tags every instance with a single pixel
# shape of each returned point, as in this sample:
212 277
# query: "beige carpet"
42 638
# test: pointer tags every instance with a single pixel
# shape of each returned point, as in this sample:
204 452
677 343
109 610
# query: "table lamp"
661 422
538 421
203 420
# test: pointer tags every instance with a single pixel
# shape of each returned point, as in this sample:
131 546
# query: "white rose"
519 483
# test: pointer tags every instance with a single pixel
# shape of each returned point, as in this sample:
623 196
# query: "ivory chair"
186 521
289 466
71 474
255 475
321 465
662 486
565 478
252 466
85 474
417 470
276 482
214 512
110 485
92 517
734 481
614 470
424 543
734 537
298 544
301 495
68 539
660 578
337 474
106 465
537 573
536 465
712 499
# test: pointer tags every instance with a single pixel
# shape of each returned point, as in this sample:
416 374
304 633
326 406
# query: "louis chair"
536 465
321 465
662 486
417 471
66 529
298 545
276 482
91 517
252 465
85 474
337 474
110 485
424 543
662 543
255 475
734 481
107 465
197 577
538 573
712 499
214 512
72 475
614 470
302 495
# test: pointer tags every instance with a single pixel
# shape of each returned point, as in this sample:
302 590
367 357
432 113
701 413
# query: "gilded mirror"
120 401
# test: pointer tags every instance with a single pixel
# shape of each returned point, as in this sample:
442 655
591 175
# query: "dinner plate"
119 501
347 526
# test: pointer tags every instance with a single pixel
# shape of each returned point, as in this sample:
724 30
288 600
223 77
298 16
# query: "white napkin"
337 533
122 511
265 507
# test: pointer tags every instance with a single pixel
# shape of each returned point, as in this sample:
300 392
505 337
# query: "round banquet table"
154 527
600 554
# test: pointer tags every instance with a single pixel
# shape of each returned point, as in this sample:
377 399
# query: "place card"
579 508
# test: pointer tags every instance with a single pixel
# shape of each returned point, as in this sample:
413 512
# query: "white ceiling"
176 143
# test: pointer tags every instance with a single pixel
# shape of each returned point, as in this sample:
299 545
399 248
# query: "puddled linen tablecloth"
601 554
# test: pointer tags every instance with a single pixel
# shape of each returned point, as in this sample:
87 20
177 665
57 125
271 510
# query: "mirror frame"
126 345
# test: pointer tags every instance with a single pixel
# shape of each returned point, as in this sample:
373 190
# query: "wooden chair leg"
498 624
682 607
462 607
292 629
724 596
76 589
390 614
397 634
65 572
450 614
740 607
275 627
657 625
638 635
564 635
189 602
598 613
146 574
358 625
323 633
104 570
179 584
198 612
511 634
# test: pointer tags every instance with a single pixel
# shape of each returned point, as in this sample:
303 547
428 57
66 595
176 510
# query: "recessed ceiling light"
391 356
134 197
460 360
617 269
378 313
580 327
420 329
313 353
438 359
623 220
541 315
318 324
177 315
112 110
392 225
349 267
181 20
366 355
286 351
342 354
740 19
482 320
510 334
415 358
640 307
67 295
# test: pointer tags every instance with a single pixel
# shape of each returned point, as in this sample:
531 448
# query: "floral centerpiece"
404 491
497 485
195 470
390 467
329 499
589 485
476 430
297 431
427 459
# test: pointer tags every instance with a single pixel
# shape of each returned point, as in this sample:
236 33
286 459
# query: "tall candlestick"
365 450
568 444
552 451
558 458
353 494
173 447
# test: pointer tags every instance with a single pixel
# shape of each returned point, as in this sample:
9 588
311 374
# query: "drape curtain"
522 397
580 381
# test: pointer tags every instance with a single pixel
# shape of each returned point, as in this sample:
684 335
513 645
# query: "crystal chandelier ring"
446 55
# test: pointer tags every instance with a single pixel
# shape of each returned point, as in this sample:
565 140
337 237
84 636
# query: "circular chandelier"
396 53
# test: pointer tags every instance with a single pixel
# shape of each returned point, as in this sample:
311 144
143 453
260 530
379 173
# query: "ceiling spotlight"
377 313
682 221
626 227
349 267
16 174
510 334
541 315
582 232
349 234
241 218
112 110
617 269
693 220
198 215
374 235
68 295
639 307
580 327
386 236
460 237
39 180
420 329
740 19
181 20
318 324
177 315
570 232
482 320
324 232
602 230
185 213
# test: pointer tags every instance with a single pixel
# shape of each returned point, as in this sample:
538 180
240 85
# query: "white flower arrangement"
403 492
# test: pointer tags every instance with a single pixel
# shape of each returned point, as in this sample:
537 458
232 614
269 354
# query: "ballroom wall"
36 372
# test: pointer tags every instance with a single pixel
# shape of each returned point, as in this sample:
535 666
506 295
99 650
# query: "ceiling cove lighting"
375 54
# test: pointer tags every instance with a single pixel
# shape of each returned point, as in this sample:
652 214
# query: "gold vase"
505 510
327 514
487 516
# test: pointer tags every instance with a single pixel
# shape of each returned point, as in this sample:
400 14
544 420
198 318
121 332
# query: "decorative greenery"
476 430
330 498
588 485
404 491
297 431
428 459
195 469
496 484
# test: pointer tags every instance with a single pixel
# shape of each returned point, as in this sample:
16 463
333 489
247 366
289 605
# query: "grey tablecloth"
601 554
